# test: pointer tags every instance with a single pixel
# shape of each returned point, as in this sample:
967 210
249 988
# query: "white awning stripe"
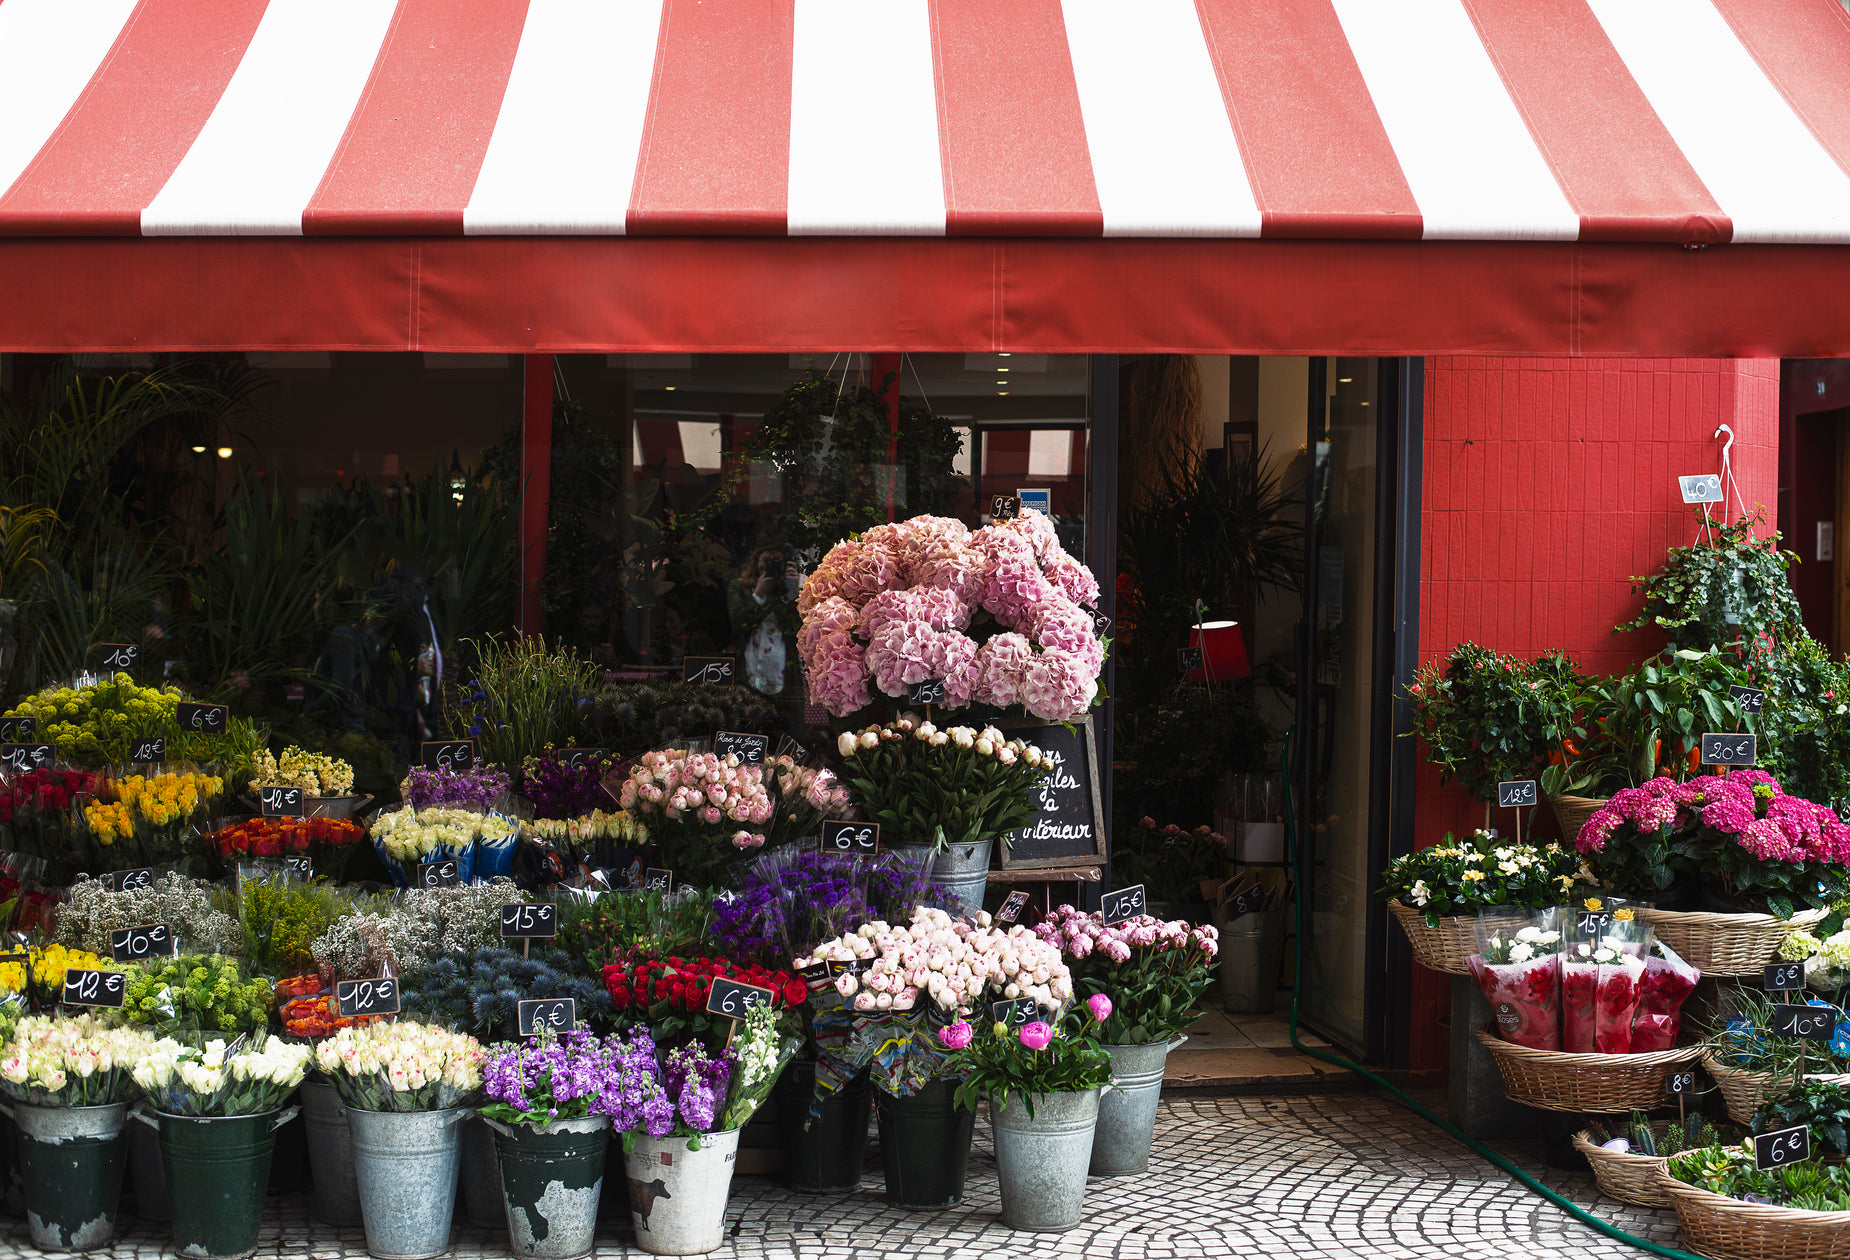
49 51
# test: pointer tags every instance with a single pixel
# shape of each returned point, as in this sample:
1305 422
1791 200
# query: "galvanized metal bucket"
71 1160
330 1154
1041 1159
678 1196
961 869
551 1178
406 1163
147 1174
1127 1112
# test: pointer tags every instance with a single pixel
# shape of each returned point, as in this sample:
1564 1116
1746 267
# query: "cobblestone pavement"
1336 1176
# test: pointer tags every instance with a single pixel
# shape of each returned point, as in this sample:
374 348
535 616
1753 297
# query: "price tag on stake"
367 997
93 988
1680 1083
1101 624
751 749
203 719
1804 1023
1782 977
850 837
1703 488
118 657
443 874
657 879
24 758
303 868
1014 1014
132 879
554 1015
1122 904
1751 699
522 921
579 758
931 691
852 967
732 999
1004 507
1012 906
1730 748
447 754
1516 793
1782 1147
714 671
18 730
1189 660
1593 924
154 940
1246 903
148 750
282 802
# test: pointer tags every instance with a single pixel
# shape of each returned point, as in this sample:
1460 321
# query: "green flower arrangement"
1461 877
94 725
282 919
207 992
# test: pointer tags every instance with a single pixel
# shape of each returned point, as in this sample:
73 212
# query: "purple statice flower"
477 789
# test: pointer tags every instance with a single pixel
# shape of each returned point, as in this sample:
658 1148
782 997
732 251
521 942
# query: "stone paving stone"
1346 1176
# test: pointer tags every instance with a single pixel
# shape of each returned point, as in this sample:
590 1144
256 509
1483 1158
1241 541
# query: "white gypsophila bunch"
458 920
184 905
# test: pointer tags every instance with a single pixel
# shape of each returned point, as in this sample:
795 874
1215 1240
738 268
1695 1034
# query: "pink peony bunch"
899 605
699 787
955 964
1080 935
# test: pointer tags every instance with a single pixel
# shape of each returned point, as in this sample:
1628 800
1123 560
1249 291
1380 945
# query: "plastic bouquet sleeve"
1666 985
1579 984
1621 971
1518 968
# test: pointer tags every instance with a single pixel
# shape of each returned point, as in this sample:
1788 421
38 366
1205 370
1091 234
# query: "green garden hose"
1299 882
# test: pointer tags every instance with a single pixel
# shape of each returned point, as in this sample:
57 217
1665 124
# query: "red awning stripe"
1689 121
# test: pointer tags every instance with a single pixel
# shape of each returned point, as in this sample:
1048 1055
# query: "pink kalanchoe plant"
999 614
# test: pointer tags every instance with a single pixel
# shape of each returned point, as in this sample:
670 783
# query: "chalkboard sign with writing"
18 730
1702 488
579 758
1101 624
1067 828
1004 507
1807 1023
1189 660
1593 924
1782 1147
1014 1014
93 988
1729 748
657 879
282 802
751 749
117 657
850 837
1251 900
1123 903
732 999
24 758
300 867
447 754
1515 793
131 880
523 920
367 997
442 874
1751 699
1779 977
554 1015
714 670
152 940
1012 906
931 691
1680 1083
146 750
204 719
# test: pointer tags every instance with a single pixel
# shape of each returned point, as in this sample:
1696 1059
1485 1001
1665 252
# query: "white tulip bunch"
70 1061
246 1077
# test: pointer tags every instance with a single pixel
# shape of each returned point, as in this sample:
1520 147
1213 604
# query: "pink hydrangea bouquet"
998 614
1151 972
1736 834
705 810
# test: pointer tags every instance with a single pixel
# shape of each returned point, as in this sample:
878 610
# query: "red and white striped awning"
1340 132
1659 120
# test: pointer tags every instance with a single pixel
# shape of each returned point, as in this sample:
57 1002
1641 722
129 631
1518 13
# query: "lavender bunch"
478 789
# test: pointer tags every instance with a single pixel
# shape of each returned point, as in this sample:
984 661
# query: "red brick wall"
1548 483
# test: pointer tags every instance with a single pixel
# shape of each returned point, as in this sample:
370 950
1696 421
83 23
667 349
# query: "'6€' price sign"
733 999
850 837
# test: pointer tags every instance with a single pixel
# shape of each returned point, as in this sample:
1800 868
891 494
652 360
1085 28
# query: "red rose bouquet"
1517 965
669 996
36 814
1666 985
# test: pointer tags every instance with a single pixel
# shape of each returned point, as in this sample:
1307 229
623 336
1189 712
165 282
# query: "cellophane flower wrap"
39 810
1667 983
804 795
1153 971
760 1049
1459 877
405 837
402 1066
148 818
1002 615
926 785
791 899
706 811
561 784
568 845
1737 834
70 1061
669 996
328 843
249 1076
1517 965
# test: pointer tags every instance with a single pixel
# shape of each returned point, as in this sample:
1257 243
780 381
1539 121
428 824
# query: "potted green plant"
1484 719
1728 1207
1437 893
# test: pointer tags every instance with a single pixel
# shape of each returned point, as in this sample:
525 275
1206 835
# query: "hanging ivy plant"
1728 586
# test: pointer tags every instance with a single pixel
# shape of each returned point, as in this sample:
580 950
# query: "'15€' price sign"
1122 904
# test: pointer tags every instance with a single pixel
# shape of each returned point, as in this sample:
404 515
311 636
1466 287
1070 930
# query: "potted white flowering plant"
1436 893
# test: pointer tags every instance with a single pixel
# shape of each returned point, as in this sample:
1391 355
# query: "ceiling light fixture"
199 450
224 452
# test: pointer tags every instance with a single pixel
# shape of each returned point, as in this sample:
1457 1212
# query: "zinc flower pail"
217 1170
551 1179
330 1154
961 869
147 1174
71 1160
1127 1111
406 1163
677 1196
1041 1158
925 1145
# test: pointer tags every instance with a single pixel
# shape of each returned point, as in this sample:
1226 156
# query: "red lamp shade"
1223 652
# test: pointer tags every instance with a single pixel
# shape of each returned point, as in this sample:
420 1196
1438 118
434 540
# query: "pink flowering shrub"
1150 971
1000 614
1736 833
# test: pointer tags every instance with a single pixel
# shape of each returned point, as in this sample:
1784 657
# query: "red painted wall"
1548 484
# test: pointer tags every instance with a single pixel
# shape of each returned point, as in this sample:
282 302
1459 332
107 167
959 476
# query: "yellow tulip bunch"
151 811
168 798
48 965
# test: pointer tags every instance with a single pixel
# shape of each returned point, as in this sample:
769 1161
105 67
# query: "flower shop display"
1750 1064
149 818
669 996
94 724
1665 986
1437 893
317 774
998 614
40 811
1727 1207
328 843
569 848
407 934
792 899
703 810
522 698
1483 717
480 993
44 972
407 1087
68 1083
1042 1080
804 796
1629 1159
561 785
1145 975
481 790
1600 975
281 919
93 910
630 925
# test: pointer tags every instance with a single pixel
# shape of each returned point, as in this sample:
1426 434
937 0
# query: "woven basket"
1725 944
1742 1089
1571 813
1585 1084
1444 948
1626 1177
1727 1229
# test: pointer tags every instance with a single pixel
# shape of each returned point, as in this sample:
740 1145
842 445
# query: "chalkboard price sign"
1189 660
366 997
443 874
579 758
1805 1023
447 754
1592 924
117 657
850 837
282 802
17 730
1014 1014
1122 904
750 749
1012 906
714 670
733 999
1680 1083
931 691
302 868
1066 829
1751 699
1246 903
153 940
24 758
1779 977
1004 507
93 988
1730 748
523 920
204 719
657 879
554 1015
1782 1147
147 750
1703 488
1101 624
130 880
1515 793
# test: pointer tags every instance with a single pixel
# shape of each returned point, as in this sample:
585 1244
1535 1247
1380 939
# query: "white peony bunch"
954 963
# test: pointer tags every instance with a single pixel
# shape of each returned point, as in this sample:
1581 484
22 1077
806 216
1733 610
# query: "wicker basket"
1629 1178
1726 944
1742 1089
1571 813
1444 948
1727 1229
1585 1084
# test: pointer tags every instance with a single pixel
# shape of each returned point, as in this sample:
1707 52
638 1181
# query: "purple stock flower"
478 788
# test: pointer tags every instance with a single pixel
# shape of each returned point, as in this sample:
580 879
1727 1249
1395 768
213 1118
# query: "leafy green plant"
1661 1138
281 919
1461 877
1821 1106
1034 1061
199 992
1729 585
1484 719
1652 719
617 927
1730 1171
521 698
